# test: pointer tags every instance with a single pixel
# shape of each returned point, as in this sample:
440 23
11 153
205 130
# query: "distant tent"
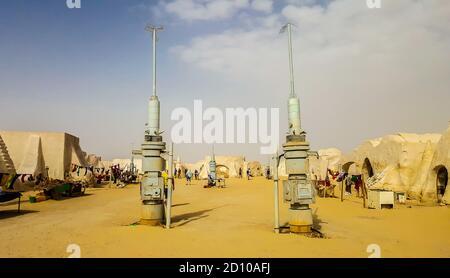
32 152
33 161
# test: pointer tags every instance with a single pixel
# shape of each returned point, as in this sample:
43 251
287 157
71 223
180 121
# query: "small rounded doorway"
441 182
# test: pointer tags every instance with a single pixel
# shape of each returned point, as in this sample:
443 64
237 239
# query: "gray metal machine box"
298 192
152 188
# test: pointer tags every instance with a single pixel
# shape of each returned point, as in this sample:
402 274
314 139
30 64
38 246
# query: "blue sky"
360 73
81 71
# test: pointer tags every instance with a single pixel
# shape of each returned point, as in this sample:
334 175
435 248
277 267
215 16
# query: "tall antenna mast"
294 103
153 123
152 191
154 30
298 190
288 28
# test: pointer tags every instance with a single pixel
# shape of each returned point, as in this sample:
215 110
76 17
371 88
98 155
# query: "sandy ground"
232 222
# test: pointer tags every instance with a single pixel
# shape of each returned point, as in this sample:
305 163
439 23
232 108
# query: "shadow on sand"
317 222
183 219
63 198
179 205
5 214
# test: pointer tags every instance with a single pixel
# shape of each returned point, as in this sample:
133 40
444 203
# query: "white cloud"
388 67
230 51
194 10
265 6
191 10
343 28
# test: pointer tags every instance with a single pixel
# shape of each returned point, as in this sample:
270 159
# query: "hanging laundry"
24 179
12 180
348 184
333 174
357 181
341 176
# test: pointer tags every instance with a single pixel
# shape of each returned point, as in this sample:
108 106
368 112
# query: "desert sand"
231 222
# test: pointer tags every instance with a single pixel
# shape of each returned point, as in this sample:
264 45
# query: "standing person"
348 185
314 180
116 173
165 177
357 181
249 173
196 174
188 177
268 173
113 174
240 173
179 173
175 173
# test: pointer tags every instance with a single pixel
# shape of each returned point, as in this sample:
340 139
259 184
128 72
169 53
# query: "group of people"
249 173
187 174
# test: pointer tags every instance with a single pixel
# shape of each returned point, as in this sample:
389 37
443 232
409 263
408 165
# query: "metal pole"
154 62
291 62
363 192
152 210
154 30
169 188
276 195
341 171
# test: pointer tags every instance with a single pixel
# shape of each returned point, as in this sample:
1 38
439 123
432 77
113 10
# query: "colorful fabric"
357 180
341 176
6 180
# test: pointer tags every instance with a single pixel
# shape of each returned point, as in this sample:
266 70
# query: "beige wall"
59 150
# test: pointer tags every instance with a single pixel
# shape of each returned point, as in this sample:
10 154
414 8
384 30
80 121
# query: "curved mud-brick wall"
231 163
403 157
415 191
441 158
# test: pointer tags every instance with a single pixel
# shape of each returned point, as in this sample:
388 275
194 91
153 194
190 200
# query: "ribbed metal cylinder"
151 157
153 115
294 116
